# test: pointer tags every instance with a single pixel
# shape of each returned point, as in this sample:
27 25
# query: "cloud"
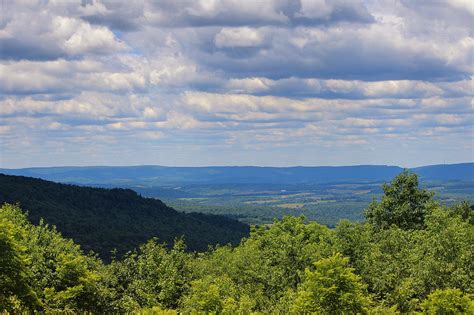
238 37
71 76
123 16
248 13
348 89
464 5
39 34
377 52
235 81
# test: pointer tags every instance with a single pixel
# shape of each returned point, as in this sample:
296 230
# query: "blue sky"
268 82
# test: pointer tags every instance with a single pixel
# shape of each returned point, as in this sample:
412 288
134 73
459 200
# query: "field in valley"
327 204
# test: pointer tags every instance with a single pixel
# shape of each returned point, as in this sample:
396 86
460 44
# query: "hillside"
162 176
414 259
102 219
461 171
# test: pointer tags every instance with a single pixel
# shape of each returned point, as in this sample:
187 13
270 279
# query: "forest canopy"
409 255
103 220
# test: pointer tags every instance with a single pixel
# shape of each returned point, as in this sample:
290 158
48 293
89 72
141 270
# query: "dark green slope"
102 219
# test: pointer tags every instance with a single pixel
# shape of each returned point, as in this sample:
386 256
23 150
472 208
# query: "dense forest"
410 255
103 220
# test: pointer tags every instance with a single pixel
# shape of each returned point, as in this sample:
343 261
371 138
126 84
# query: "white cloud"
463 5
86 38
238 37
38 33
250 85
59 76
240 75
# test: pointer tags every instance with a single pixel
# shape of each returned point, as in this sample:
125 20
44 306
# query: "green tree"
272 260
387 267
15 291
448 302
464 210
404 204
162 274
354 240
59 274
443 255
211 295
332 288
401 267
153 276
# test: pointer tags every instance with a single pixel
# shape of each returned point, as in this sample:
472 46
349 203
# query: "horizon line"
236 166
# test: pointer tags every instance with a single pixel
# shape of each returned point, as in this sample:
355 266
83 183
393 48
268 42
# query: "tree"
216 295
152 277
332 288
273 259
388 265
448 302
404 204
15 291
354 240
161 274
402 267
55 269
464 210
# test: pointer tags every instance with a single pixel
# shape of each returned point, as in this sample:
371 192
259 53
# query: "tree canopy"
103 220
403 204
289 267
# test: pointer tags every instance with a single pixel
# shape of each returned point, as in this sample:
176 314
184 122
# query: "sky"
267 82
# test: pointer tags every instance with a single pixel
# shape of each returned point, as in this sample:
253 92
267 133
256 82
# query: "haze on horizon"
271 83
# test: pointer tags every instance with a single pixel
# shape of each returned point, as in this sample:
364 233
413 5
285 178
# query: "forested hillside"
411 255
105 219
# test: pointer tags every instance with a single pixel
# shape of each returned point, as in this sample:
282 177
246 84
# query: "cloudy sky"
282 82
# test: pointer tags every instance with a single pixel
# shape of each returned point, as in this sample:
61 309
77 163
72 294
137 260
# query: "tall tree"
403 204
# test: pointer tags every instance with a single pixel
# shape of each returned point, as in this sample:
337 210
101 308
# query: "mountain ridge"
169 175
102 219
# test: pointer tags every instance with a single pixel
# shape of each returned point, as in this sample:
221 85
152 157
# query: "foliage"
105 219
272 260
448 302
216 295
402 266
332 288
403 204
289 267
14 273
59 274
152 276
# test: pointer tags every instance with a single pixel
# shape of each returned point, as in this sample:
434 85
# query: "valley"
258 195
324 203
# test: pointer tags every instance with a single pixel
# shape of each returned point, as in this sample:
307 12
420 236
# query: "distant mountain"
462 171
165 176
102 219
